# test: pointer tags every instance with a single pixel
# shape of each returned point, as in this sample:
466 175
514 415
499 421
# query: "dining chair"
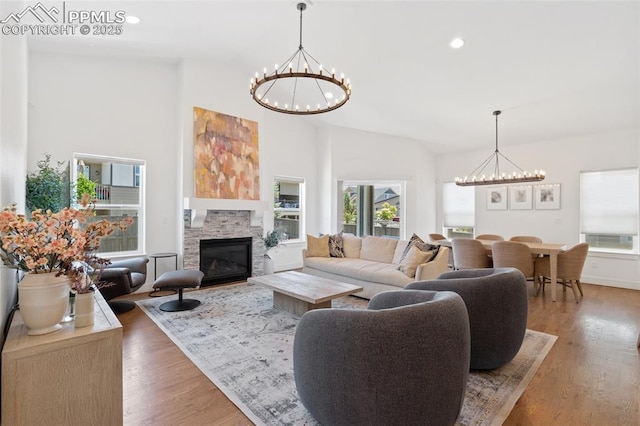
436 237
514 254
490 237
469 254
570 264
526 239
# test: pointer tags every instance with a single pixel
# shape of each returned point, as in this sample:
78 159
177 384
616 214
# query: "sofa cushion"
360 269
351 245
399 253
378 249
415 257
317 246
336 247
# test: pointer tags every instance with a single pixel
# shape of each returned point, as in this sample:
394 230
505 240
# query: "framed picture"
547 196
520 197
497 198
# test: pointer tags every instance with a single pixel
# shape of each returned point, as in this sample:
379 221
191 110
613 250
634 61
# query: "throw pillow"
414 257
351 245
336 247
317 246
420 245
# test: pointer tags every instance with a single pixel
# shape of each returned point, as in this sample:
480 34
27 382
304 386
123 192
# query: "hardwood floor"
590 377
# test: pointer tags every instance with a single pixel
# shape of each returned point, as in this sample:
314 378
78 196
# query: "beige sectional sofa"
376 264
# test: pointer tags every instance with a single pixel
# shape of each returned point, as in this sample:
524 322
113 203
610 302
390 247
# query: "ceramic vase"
43 300
268 265
83 316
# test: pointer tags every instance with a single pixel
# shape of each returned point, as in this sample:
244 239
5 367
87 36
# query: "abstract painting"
226 162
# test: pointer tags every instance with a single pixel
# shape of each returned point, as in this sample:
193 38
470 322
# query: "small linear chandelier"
497 177
305 86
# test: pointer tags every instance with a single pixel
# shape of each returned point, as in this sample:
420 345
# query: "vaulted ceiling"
556 69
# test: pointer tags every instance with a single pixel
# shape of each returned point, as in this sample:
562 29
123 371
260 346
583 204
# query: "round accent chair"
402 361
496 299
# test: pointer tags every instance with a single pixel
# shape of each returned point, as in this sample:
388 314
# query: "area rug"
245 346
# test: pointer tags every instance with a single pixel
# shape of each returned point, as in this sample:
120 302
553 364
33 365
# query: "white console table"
70 377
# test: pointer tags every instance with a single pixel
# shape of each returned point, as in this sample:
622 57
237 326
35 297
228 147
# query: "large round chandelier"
497 176
301 85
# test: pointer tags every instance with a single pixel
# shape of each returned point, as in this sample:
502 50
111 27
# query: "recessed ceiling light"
457 43
328 95
132 19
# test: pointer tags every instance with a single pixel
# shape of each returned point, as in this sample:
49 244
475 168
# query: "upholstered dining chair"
513 254
570 264
490 237
526 239
346 361
469 254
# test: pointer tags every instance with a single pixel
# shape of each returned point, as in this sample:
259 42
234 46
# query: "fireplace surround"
219 224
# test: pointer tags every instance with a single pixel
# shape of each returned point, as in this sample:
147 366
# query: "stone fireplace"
206 219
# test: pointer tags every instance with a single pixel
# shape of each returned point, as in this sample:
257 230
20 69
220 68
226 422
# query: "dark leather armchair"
125 276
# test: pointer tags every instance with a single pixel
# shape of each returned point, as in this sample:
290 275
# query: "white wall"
359 155
562 160
113 107
286 143
13 145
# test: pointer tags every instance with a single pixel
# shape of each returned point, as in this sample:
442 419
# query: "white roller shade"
458 205
609 202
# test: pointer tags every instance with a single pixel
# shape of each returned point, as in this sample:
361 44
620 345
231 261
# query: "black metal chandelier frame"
306 67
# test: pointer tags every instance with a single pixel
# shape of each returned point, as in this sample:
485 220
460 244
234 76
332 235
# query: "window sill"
607 254
293 243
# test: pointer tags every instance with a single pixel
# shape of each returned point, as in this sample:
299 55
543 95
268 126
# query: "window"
117 185
371 208
609 210
288 208
458 210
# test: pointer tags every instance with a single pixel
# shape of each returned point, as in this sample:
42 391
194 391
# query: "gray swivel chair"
125 276
496 300
403 361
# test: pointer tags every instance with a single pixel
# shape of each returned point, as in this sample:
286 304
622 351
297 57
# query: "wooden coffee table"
298 293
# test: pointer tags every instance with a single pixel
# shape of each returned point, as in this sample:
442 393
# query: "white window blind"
458 205
609 202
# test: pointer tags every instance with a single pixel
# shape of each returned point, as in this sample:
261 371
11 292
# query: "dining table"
546 249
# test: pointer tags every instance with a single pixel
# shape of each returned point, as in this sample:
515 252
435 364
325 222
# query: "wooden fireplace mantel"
199 207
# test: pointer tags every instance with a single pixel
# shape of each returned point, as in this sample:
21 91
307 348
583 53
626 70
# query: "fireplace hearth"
224 260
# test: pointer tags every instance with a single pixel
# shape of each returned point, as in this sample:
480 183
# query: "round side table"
155 257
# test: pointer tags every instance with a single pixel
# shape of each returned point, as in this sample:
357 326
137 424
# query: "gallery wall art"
547 196
497 198
226 161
